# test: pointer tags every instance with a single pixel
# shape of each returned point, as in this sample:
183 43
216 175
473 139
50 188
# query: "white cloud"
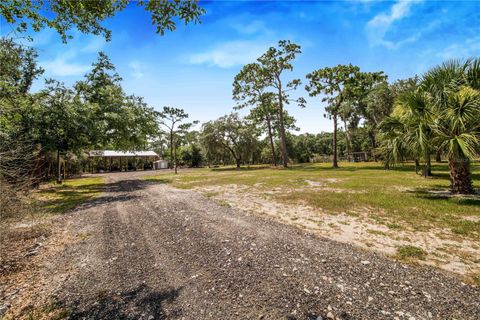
230 54
62 65
382 23
137 69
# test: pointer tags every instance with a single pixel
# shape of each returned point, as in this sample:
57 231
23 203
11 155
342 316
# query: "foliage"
172 118
88 16
229 134
442 114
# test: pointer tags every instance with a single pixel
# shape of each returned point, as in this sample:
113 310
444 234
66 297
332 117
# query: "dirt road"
149 251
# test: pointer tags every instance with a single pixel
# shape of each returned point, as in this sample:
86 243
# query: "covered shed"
111 160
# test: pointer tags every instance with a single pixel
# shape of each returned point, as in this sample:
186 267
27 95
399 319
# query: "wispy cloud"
378 27
63 68
137 69
253 27
470 47
95 45
70 62
230 54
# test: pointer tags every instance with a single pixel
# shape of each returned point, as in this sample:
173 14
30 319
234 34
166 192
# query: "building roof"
112 153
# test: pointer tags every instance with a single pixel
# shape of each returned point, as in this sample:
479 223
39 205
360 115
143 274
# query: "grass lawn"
59 198
396 198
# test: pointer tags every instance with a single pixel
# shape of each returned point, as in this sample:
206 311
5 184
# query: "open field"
148 250
392 211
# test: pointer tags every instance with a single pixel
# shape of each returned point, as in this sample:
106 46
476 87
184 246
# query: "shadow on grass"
142 302
68 197
154 180
441 194
255 168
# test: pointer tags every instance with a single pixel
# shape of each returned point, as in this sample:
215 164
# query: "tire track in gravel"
194 259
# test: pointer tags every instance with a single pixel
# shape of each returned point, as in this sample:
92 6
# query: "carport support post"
121 168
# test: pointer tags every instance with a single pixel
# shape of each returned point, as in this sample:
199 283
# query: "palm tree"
407 132
455 91
415 112
457 132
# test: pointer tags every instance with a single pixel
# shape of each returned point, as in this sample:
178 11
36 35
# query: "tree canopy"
88 16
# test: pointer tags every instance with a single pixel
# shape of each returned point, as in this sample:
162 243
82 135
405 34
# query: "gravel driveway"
154 252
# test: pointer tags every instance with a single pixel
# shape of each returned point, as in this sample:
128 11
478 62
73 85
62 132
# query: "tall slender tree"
172 119
274 63
335 84
250 89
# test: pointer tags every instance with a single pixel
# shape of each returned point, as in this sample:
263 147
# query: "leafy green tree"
171 118
273 64
335 84
62 121
372 98
102 88
232 134
88 16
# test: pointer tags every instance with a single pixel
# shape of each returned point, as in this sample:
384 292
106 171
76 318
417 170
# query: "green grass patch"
411 253
59 198
376 232
157 179
397 198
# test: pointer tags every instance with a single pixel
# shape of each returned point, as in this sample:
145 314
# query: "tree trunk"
335 158
347 140
460 176
238 161
59 171
283 141
417 165
175 157
171 149
374 144
427 171
438 156
272 145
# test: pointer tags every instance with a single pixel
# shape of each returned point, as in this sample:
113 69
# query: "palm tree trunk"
417 165
438 156
427 171
460 176
335 158
270 137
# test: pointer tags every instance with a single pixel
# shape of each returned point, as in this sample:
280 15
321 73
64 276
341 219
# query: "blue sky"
194 66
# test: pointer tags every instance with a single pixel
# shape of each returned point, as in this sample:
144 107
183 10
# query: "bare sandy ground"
445 250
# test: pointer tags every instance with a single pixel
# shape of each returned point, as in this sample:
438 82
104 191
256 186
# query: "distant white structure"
112 153
161 164
111 160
